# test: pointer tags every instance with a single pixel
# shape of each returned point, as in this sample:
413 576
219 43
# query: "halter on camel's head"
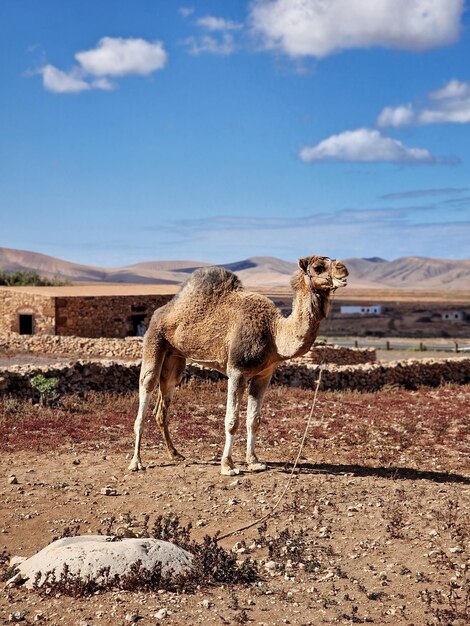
324 274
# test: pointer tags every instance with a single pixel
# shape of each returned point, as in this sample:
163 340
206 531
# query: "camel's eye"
319 268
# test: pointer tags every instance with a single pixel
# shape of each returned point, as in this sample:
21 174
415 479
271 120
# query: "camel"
213 321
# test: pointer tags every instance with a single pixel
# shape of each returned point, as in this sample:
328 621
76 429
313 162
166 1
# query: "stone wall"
128 348
81 376
341 355
409 374
131 348
41 307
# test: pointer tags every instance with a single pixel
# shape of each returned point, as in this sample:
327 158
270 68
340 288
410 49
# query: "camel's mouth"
340 282
339 274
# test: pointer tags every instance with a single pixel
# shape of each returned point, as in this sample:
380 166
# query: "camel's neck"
296 333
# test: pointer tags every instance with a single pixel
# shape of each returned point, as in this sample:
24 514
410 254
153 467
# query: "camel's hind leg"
170 377
256 390
149 375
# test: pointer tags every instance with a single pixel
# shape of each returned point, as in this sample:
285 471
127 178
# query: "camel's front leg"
236 386
256 390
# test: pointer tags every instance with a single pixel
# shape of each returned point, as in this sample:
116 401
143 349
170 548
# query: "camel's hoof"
176 456
135 466
256 467
229 471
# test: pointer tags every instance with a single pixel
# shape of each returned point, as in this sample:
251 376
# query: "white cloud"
211 45
185 11
62 82
103 83
453 89
400 116
220 41
450 104
212 23
112 57
366 145
322 27
118 57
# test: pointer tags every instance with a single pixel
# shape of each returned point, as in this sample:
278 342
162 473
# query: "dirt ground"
375 527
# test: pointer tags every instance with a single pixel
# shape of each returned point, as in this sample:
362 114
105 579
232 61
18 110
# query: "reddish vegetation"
415 428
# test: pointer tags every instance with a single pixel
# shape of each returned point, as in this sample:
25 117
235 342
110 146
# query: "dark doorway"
138 325
26 324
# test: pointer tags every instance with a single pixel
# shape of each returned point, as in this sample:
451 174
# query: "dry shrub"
212 565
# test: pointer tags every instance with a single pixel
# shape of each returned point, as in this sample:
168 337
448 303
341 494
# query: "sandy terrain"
374 529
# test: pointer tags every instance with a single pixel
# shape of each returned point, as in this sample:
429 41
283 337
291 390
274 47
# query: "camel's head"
323 273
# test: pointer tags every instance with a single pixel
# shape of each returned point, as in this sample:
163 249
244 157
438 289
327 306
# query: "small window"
26 324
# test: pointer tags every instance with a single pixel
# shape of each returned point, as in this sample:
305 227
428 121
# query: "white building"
454 316
364 309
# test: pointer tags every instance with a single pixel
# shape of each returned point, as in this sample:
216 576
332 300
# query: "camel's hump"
212 281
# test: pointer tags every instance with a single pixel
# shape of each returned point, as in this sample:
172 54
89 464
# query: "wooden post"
421 346
356 343
456 346
387 345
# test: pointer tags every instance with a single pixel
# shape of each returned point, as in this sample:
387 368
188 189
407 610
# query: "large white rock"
86 555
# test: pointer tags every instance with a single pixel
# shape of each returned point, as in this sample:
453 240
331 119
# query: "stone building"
81 311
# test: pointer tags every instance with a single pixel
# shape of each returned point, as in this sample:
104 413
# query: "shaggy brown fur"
215 322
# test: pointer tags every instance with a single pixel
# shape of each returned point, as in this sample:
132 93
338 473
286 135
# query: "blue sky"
215 131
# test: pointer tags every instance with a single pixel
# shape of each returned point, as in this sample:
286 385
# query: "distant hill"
370 273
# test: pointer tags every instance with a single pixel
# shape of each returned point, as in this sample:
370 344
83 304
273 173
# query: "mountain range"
368 273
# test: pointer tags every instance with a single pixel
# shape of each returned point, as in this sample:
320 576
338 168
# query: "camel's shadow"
394 473
338 469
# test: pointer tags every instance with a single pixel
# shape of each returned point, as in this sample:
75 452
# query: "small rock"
132 618
270 565
12 480
161 614
39 617
108 491
456 550
76 462
16 617
206 604
239 547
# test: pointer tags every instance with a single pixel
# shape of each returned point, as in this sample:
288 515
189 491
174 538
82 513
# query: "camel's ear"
303 264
